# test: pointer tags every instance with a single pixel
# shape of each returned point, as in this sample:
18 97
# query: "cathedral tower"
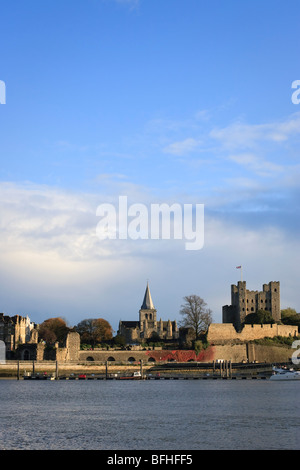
147 311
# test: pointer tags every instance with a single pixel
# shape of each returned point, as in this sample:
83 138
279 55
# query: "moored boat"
284 374
134 376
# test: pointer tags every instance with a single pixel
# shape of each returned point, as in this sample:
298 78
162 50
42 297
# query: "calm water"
149 415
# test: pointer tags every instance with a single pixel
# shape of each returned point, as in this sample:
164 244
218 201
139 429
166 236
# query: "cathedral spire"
147 303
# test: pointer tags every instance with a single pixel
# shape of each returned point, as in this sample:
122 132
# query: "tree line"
92 331
195 316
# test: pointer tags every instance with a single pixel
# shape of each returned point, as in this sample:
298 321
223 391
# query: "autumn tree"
53 329
94 330
195 314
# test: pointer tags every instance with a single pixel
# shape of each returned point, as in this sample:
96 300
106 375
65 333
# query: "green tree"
288 312
195 314
94 330
289 316
120 340
260 317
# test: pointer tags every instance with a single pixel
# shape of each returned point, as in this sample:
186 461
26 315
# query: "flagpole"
241 268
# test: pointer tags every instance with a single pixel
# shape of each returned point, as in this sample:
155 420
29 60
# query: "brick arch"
26 355
151 359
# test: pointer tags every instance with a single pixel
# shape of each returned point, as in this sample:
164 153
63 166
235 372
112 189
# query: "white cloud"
183 147
241 135
257 164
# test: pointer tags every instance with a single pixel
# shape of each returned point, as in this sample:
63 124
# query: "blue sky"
163 101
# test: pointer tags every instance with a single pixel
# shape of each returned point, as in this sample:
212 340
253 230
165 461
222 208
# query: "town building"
244 302
148 326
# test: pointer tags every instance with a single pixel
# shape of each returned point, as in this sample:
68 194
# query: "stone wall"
231 352
225 332
271 354
249 353
244 352
70 352
113 356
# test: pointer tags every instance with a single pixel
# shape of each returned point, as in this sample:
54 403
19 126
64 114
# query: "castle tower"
245 302
272 299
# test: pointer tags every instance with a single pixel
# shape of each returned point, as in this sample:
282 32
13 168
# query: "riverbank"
90 370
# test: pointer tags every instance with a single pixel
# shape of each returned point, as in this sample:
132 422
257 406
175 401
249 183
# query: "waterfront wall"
246 352
250 352
162 355
238 353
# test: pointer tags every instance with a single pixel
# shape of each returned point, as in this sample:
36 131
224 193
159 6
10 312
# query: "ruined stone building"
148 326
38 350
15 330
244 302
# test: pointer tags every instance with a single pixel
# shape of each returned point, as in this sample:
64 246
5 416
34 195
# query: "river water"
149 415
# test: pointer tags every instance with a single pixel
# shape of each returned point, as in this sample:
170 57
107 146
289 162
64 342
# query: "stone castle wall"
225 332
249 353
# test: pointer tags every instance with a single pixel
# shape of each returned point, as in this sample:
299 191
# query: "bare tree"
195 314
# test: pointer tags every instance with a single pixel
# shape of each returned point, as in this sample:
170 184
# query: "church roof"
130 324
147 302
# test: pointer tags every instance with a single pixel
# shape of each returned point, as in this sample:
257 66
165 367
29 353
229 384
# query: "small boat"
27 375
82 377
284 374
134 376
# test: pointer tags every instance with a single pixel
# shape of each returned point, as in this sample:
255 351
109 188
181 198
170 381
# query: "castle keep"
244 302
148 326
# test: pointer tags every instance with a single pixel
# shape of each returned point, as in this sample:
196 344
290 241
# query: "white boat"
285 374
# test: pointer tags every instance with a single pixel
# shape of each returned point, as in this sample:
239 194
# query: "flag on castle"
240 267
